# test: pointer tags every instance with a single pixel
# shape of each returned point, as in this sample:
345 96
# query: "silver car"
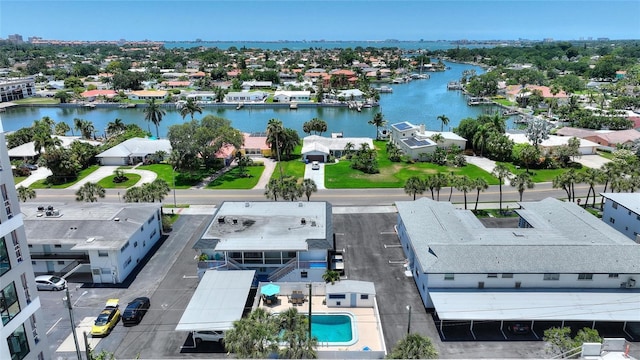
50 282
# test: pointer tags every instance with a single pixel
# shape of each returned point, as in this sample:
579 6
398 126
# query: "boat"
240 105
384 89
454 85
127 106
90 106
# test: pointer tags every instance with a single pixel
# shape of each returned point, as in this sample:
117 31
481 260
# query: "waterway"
419 102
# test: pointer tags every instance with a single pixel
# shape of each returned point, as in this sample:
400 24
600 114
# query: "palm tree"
480 185
440 180
413 346
42 140
348 149
522 181
451 181
90 192
190 108
153 113
464 184
331 276
444 120
294 328
378 121
253 337
502 173
61 129
309 187
429 183
414 186
275 131
115 127
592 177
437 138
25 193
272 189
85 127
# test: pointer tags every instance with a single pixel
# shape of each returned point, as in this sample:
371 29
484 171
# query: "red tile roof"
94 93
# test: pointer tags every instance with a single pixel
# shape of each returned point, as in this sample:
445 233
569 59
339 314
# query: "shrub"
167 225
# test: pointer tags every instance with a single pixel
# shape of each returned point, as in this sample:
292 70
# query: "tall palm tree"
444 121
502 173
25 193
429 183
275 131
272 189
480 185
115 127
440 180
153 113
85 127
309 187
190 108
294 328
61 129
378 121
522 181
90 192
464 184
348 149
42 140
592 177
414 186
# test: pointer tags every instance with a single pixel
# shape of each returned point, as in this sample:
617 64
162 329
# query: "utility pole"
73 324
87 349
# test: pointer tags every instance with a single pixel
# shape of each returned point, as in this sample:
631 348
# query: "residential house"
204 97
281 241
291 96
134 151
248 85
346 95
245 97
175 84
108 240
92 95
255 144
560 260
622 212
22 331
614 138
512 92
414 140
148 95
319 148
548 145
28 150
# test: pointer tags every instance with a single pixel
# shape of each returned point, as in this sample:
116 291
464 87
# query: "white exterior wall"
621 219
351 300
313 275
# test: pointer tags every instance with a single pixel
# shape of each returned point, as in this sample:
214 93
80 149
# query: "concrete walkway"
485 164
36 175
592 161
269 167
146 176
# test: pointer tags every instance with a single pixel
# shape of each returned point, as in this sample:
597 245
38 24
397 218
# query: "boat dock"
472 101
454 85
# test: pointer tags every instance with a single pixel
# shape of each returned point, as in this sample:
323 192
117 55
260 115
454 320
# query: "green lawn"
540 175
392 175
232 180
42 184
165 172
606 154
108 183
18 179
289 168
37 100
504 102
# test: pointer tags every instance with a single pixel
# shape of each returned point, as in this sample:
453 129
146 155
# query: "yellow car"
107 319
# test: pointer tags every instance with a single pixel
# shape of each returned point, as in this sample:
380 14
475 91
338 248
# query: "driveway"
592 161
316 175
269 166
36 175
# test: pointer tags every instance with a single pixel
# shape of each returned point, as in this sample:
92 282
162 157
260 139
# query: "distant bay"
419 102
302 45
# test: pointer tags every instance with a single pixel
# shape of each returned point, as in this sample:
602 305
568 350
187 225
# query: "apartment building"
22 333
16 89
622 212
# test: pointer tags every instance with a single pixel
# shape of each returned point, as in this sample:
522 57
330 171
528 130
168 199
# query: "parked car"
135 311
107 320
30 166
50 282
315 165
200 336
518 328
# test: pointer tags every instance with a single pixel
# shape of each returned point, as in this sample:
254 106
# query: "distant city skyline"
312 20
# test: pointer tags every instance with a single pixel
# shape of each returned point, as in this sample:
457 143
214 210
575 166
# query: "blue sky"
263 20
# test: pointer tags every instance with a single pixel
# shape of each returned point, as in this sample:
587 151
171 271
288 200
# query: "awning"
532 305
270 289
218 301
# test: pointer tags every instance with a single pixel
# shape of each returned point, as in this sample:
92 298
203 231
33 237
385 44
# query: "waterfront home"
28 150
414 140
612 138
148 95
291 96
319 148
204 97
513 92
559 257
245 96
346 95
248 85
622 212
175 84
92 95
134 151
548 145
280 240
255 145
108 240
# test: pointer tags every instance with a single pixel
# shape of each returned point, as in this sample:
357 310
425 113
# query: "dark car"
135 311
518 328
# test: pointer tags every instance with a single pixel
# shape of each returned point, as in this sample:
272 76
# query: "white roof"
631 201
552 141
28 149
533 305
137 147
323 144
218 301
351 286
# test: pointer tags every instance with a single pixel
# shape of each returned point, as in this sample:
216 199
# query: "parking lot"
371 252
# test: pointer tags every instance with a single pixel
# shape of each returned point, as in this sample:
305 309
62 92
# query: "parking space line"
386 246
397 261
388 233
53 326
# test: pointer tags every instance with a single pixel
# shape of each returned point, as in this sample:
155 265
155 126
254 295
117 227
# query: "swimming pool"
335 329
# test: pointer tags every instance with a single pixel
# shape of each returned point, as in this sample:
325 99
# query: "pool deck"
368 327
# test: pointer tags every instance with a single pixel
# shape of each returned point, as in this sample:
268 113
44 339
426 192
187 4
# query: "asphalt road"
337 197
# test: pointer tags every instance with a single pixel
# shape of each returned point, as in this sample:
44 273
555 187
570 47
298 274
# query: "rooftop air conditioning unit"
631 283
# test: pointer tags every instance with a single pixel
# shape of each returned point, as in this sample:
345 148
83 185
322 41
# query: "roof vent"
303 221
91 239
221 220
247 204
116 219
40 208
313 223
300 204
235 221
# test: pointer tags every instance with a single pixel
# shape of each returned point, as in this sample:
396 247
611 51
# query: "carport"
218 301
589 306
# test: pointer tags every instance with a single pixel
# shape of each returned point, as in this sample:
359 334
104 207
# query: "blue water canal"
419 102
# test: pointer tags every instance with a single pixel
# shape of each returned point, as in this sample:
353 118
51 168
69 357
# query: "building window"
337 296
9 305
135 244
18 344
612 220
507 276
613 276
364 297
58 246
585 276
153 233
551 277
5 263
103 253
304 274
492 275
34 329
60 262
127 262
124 247
614 205
449 276
16 246
142 228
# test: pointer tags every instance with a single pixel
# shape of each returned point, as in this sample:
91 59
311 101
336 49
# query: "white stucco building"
107 239
245 97
559 259
414 140
281 241
350 293
22 332
133 151
287 96
622 212
319 148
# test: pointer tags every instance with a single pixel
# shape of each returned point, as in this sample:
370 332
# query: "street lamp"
409 322
67 301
